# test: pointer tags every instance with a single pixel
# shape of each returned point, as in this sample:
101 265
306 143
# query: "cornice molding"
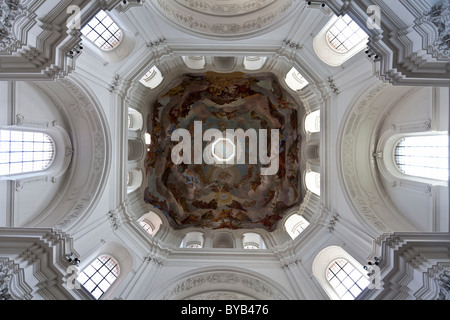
401 63
242 283
33 262
403 256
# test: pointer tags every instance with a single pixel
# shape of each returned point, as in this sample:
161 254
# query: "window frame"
312 122
62 152
323 260
117 265
385 158
292 224
11 142
327 54
315 189
341 18
399 166
119 29
341 269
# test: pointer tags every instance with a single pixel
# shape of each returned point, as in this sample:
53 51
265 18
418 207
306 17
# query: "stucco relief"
221 296
206 17
195 286
9 10
81 194
366 201
228 8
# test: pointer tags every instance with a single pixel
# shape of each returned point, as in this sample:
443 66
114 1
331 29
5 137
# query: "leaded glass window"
24 151
423 156
99 275
103 31
345 34
345 279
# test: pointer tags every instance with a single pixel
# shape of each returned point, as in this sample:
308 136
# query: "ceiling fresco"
218 195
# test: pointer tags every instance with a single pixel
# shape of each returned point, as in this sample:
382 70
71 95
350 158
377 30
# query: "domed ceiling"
236 194
224 17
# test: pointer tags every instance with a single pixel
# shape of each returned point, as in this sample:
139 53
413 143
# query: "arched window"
295 224
193 239
195 62
99 275
312 122
103 31
253 241
148 226
312 182
134 179
423 156
253 62
152 78
150 222
295 80
135 121
339 40
24 151
346 281
345 34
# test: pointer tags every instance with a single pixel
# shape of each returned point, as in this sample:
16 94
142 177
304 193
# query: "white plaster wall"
428 211
34 106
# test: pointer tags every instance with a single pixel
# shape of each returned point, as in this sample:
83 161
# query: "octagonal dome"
243 192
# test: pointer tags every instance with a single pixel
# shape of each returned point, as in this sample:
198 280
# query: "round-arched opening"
223 240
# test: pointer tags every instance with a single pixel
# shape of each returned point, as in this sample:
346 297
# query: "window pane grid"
345 279
102 31
147 227
22 152
99 275
345 34
425 156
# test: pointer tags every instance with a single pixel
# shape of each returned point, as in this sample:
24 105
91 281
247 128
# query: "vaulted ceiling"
238 193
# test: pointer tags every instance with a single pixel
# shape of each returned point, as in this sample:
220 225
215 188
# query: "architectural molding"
371 202
212 18
402 255
36 262
443 282
80 193
438 15
9 10
400 62
210 281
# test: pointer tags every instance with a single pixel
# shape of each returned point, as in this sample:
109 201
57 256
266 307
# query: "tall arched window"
103 31
423 156
347 282
99 275
345 34
24 151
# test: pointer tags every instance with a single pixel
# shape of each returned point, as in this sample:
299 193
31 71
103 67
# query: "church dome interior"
224 150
